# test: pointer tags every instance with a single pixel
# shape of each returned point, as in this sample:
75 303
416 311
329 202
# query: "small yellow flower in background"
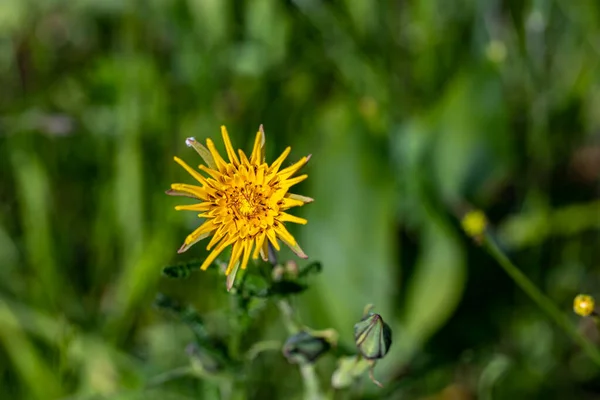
243 201
474 223
583 305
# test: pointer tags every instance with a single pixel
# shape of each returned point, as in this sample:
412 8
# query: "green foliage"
413 111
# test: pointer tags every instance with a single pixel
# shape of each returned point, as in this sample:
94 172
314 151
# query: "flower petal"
211 257
258 154
292 169
230 280
220 163
260 240
288 202
205 206
190 170
202 151
219 234
203 231
247 251
212 172
301 198
291 182
296 249
243 158
277 163
273 238
180 189
284 234
285 217
235 256
230 151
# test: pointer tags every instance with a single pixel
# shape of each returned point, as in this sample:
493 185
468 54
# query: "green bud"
304 348
349 369
373 337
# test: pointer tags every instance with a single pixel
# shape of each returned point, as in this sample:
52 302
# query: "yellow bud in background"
583 305
474 223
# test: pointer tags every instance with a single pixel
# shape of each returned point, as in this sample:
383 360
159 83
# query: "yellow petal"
230 151
292 169
200 233
180 189
284 234
273 238
260 240
185 246
264 251
288 202
247 251
205 206
212 172
221 164
257 155
285 217
211 257
190 170
277 163
291 182
235 256
243 158
219 233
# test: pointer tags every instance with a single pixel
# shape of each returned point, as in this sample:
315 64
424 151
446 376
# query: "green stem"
541 299
307 370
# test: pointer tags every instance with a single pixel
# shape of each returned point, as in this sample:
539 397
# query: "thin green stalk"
541 299
307 370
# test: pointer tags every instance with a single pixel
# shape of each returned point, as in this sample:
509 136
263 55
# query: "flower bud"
304 348
373 337
277 273
291 269
474 223
583 305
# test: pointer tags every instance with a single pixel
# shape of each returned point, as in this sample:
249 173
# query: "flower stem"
541 299
307 370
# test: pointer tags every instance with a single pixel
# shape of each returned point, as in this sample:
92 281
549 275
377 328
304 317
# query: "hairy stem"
307 370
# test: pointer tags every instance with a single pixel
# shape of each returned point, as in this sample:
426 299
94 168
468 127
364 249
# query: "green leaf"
435 288
181 270
312 268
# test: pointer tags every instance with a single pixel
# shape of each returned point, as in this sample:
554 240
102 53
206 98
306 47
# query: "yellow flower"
583 305
474 223
243 201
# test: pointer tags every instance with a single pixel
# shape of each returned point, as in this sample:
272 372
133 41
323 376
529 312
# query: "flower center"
246 207
246 201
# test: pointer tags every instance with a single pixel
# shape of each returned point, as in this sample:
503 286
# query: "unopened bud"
277 273
304 348
474 223
373 337
291 269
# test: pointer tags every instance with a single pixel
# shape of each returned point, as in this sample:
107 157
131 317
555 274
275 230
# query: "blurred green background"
413 111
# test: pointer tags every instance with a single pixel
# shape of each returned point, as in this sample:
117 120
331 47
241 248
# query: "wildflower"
243 201
474 223
583 305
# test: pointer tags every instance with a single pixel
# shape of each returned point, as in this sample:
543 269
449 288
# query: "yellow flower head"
583 305
243 201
